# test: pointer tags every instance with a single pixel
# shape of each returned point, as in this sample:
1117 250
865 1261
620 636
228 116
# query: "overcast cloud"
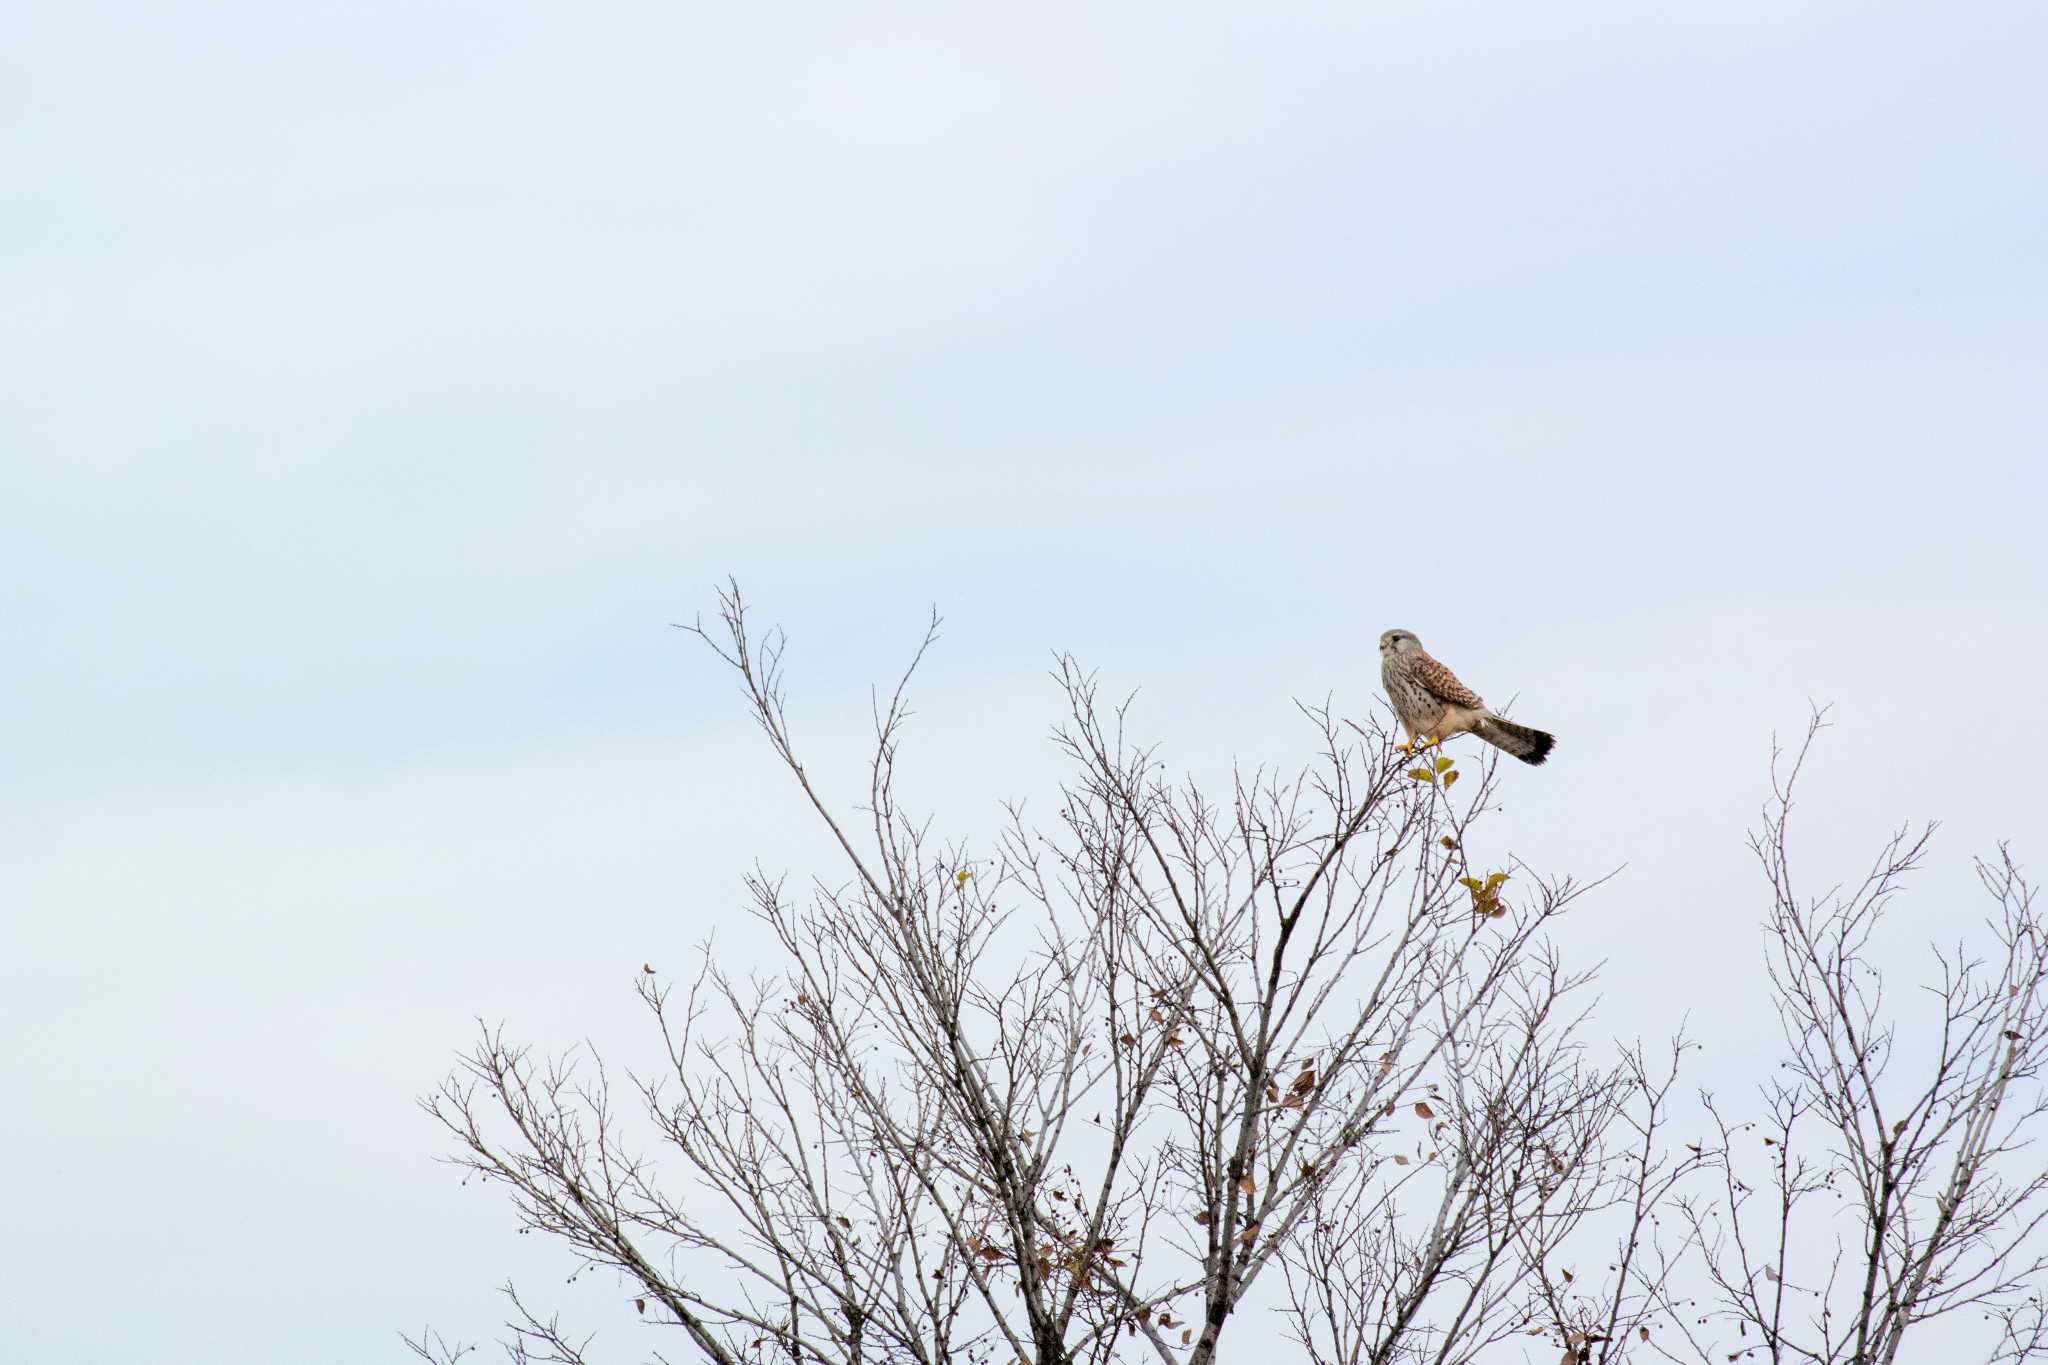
381 380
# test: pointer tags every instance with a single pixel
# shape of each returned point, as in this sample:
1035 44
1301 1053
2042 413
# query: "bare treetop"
1290 1058
1928 1148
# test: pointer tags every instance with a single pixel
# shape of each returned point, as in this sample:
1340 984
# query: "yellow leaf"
1422 774
1443 763
1450 780
1471 883
962 877
1495 879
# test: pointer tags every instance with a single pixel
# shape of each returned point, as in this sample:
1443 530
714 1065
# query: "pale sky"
381 380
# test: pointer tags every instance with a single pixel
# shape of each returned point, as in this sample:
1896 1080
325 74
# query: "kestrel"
1433 705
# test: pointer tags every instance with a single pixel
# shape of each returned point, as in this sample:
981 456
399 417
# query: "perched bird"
1433 705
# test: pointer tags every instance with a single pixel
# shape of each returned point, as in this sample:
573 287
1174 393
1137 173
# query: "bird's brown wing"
1444 684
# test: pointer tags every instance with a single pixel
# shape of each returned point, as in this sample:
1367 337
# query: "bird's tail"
1531 746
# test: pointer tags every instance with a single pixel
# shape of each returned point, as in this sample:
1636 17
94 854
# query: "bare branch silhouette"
1896 1182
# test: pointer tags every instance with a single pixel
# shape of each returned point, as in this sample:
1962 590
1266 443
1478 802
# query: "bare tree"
1897 1184
1299 1046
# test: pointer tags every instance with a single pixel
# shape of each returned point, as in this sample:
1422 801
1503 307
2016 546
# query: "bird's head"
1398 642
